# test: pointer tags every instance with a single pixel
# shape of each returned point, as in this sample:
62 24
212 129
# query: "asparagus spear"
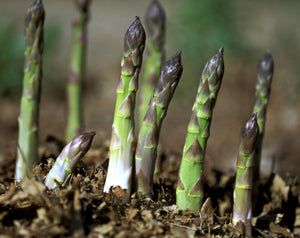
262 94
29 110
150 128
77 64
155 54
65 163
242 205
122 140
189 192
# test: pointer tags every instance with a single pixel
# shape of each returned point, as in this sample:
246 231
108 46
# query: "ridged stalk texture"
242 203
122 140
29 110
65 163
189 192
77 69
149 133
265 70
155 54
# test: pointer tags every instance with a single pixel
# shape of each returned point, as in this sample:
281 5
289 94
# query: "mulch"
81 209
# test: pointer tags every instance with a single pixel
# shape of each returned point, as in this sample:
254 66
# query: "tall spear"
242 202
122 144
77 72
30 101
189 193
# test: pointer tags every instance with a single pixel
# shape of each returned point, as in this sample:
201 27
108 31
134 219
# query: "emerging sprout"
242 202
65 163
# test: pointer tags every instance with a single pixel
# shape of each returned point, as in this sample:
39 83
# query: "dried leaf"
104 229
119 192
8 195
280 230
147 215
35 189
280 187
42 214
182 231
297 219
172 210
131 213
240 228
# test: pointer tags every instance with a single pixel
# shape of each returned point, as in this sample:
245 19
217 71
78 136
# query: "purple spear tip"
170 71
84 141
135 34
87 139
155 11
221 50
249 133
178 54
252 123
175 60
83 5
174 65
37 10
266 64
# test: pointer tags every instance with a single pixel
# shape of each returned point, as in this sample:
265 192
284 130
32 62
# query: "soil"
81 209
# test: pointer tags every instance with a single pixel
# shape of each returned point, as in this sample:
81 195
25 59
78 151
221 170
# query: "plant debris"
81 209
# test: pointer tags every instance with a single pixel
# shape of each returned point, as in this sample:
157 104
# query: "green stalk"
122 140
65 163
77 65
29 110
242 203
150 128
189 192
262 93
155 53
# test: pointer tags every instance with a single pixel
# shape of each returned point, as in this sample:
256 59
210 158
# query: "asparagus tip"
251 124
266 64
82 142
221 50
176 60
215 67
249 133
155 12
178 55
86 140
172 68
135 35
155 21
83 4
38 10
38 2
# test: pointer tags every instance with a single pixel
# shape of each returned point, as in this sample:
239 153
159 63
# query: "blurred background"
246 29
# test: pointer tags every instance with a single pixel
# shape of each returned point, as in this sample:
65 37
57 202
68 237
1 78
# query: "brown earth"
81 209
